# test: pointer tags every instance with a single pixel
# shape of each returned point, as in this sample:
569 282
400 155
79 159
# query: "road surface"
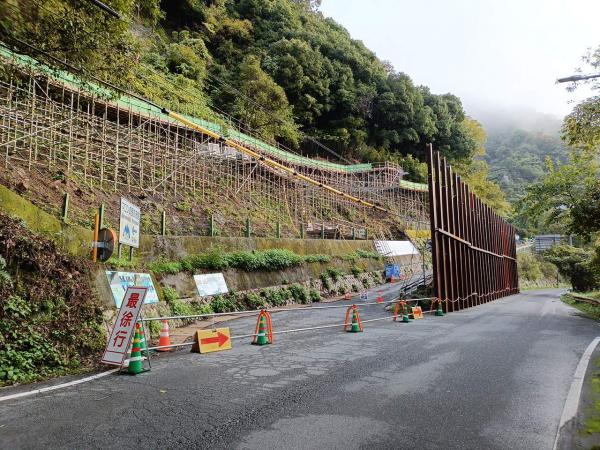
493 376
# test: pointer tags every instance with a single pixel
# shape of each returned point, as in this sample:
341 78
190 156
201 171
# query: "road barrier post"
356 325
263 334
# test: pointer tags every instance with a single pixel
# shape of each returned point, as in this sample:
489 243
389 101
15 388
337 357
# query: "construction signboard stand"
123 330
208 341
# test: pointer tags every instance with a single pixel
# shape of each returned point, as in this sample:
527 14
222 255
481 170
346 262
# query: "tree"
550 202
475 172
262 104
581 128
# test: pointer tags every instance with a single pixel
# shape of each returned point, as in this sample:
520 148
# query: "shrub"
366 283
367 254
356 271
355 288
342 290
161 266
220 304
317 258
299 293
577 264
335 274
325 281
314 295
254 301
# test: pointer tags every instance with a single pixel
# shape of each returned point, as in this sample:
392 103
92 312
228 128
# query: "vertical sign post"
129 225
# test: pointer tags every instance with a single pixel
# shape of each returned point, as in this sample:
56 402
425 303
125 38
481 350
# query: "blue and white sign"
129 224
120 281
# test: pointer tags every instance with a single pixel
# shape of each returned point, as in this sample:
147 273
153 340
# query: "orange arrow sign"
212 340
220 338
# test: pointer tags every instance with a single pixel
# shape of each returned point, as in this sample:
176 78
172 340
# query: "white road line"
58 386
572 402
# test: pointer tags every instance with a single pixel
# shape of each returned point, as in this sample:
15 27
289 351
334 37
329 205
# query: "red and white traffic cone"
379 298
164 337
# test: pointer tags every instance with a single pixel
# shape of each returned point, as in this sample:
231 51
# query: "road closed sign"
129 224
120 337
208 341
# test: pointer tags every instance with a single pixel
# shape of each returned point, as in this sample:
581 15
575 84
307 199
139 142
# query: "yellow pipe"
268 161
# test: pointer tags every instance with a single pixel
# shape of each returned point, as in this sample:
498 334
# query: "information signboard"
129 224
210 284
120 281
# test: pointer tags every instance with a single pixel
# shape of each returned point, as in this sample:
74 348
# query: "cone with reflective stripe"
405 318
135 359
143 343
261 337
164 339
355 328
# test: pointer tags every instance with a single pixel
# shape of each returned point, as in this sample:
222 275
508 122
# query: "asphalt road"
493 376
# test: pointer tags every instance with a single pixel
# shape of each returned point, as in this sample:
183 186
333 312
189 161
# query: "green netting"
139 106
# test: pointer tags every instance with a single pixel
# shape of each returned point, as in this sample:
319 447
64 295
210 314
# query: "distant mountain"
497 118
518 141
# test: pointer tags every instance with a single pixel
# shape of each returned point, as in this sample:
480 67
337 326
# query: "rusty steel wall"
473 249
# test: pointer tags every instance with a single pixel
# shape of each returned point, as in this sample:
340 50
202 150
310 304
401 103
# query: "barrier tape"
274 310
293 330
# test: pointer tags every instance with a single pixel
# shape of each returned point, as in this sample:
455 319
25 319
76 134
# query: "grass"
592 421
590 311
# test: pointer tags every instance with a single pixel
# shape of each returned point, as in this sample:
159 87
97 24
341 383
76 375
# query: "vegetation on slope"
50 316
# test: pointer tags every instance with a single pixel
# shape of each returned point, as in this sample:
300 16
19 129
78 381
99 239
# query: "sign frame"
130 217
124 326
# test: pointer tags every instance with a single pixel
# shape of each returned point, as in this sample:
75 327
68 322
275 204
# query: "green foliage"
517 158
161 266
549 203
50 318
366 282
342 290
581 128
334 274
221 303
578 264
5 277
325 281
315 296
355 288
356 271
367 254
317 258
299 293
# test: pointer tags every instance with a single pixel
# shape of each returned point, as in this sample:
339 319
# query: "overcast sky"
501 53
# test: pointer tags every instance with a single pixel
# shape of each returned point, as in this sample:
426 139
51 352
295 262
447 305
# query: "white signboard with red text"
118 342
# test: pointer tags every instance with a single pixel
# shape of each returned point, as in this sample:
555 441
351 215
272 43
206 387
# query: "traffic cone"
405 318
164 339
261 338
135 359
355 327
379 298
347 296
439 311
143 343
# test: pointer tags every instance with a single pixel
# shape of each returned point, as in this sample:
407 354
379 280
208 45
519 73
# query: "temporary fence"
473 248
258 312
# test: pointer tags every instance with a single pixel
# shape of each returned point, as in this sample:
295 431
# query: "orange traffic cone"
164 339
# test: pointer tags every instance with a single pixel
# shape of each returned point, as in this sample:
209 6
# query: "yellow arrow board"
213 340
